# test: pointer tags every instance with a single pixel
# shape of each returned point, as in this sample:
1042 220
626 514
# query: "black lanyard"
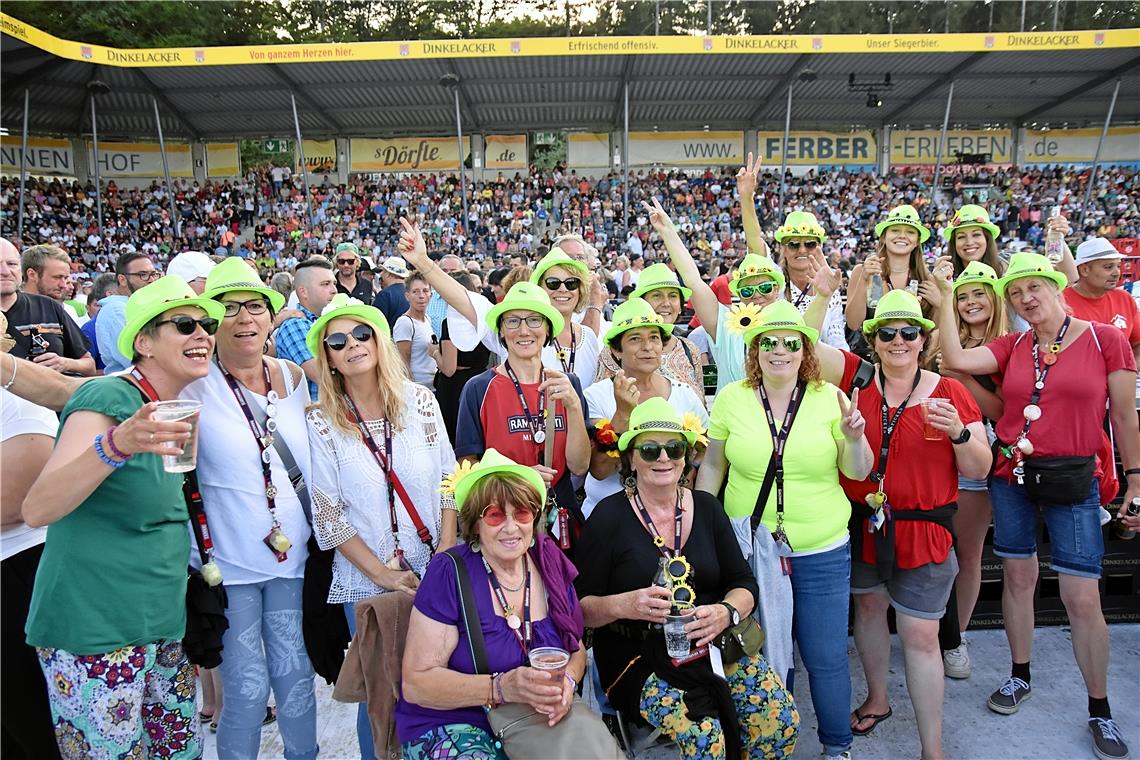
535 423
520 628
658 539
779 441
567 366
384 462
803 294
264 439
1042 365
889 425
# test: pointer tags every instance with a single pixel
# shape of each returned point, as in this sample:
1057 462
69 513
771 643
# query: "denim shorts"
1077 542
920 592
969 484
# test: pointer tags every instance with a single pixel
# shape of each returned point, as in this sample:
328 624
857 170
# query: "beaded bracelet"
497 681
108 437
114 463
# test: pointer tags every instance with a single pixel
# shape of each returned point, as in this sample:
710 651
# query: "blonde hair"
515 276
391 377
995 326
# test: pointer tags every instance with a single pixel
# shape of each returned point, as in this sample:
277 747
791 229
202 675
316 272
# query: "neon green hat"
342 305
347 247
897 304
780 315
904 214
526 296
492 463
754 265
1027 264
656 277
655 415
970 215
800 224
235 274
634 313
160 296
558 258
977 273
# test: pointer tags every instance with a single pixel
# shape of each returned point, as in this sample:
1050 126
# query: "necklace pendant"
1032 412
658 541
271 491
1039 385
271 409
513 621
1050 358
272 398
539 436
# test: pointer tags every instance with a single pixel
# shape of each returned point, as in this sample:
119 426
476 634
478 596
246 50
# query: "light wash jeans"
264 646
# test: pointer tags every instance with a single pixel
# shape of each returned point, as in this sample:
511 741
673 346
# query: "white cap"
395 265
1095 249
190 265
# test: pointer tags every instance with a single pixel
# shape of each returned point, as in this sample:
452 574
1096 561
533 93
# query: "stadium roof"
393 88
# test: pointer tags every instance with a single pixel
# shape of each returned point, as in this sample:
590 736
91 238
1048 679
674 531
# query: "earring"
630 483
475 547
532 542
332 370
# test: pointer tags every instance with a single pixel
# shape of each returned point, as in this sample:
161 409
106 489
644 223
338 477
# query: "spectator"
315 285
1095 296
105 285
133 270
391 300
348 280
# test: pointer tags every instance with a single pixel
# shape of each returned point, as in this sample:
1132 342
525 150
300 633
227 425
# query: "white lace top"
350 495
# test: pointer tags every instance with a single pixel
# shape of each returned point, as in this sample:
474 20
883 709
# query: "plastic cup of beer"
180 410
550 659
677 643
930 432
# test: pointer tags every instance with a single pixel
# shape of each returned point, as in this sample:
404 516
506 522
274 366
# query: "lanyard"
520 628
567 366
1042 363
144 384
889 425
535 423
658 539
383 460
803 294
779 441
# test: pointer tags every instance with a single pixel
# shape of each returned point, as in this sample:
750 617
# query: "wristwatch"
733 615
965 436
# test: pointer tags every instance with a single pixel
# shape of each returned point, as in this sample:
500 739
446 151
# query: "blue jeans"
363 725
1075 535
821 587
264 646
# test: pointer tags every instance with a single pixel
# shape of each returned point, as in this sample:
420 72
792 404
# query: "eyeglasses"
768 343
553 283
651 451
494 515
513 323
910 333
338 340
149 275
254 307
345 261
186 324
810 245
763 288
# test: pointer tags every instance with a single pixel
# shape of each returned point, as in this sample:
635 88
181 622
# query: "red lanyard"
144 384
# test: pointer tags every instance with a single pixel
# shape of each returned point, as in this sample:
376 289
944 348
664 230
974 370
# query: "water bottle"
1123 532
1054 241
876 291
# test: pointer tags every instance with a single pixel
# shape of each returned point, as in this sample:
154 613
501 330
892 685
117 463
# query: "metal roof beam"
765 100
619 103
85 109
1083 88
464 103
166 102
34 74
302 95
937 81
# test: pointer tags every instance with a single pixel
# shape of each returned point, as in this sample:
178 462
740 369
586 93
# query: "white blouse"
350 492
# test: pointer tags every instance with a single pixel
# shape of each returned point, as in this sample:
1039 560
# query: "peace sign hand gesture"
852 425
746 176
659 218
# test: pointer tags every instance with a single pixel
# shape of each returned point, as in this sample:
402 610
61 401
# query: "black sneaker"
1108 744
1009 697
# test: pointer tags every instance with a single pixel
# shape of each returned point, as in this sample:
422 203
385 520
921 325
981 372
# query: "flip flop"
875 720
270 716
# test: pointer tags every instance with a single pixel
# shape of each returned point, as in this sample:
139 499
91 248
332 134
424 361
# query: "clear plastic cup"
180 410
930 432
677 643
551 659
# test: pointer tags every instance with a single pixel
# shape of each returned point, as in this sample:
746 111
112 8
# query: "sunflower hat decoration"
692 424
742 316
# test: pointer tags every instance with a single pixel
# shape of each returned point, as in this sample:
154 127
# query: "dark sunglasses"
810 245
186 324
651 452
346 261
763 288
338 340
768 343
910 333
255 307
570 283
494 515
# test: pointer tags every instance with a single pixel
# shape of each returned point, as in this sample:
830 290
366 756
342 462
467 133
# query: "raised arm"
857 286
414 250
746 186
705 302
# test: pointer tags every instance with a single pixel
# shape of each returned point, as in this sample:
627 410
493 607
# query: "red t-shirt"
1073 400
1115 308
921 474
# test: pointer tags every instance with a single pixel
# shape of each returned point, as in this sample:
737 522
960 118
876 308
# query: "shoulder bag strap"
689 356
765 490
470 614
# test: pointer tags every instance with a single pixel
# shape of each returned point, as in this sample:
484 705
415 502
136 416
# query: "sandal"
270 716
875 720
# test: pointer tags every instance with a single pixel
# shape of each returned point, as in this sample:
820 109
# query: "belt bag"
744 638
1059 480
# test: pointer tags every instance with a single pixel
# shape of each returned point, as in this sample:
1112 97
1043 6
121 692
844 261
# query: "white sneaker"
956 662
845 755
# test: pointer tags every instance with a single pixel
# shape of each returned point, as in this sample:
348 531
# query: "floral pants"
454 741
769 722
134 702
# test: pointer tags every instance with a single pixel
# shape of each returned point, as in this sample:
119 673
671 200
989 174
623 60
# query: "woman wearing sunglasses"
800 238
655 520
108 611
254 416
925 431
379 450
635 340
820 436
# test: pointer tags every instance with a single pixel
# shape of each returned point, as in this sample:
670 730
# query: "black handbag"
206 620
1059 480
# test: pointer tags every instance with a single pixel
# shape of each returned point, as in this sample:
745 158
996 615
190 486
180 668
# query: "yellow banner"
1065 146
505 152
567 46
222 160
406 154
686 148
45 156
920 147
320 155
142 159
819 148
588 149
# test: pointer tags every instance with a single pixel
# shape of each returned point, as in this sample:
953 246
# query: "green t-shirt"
816 510
113 571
